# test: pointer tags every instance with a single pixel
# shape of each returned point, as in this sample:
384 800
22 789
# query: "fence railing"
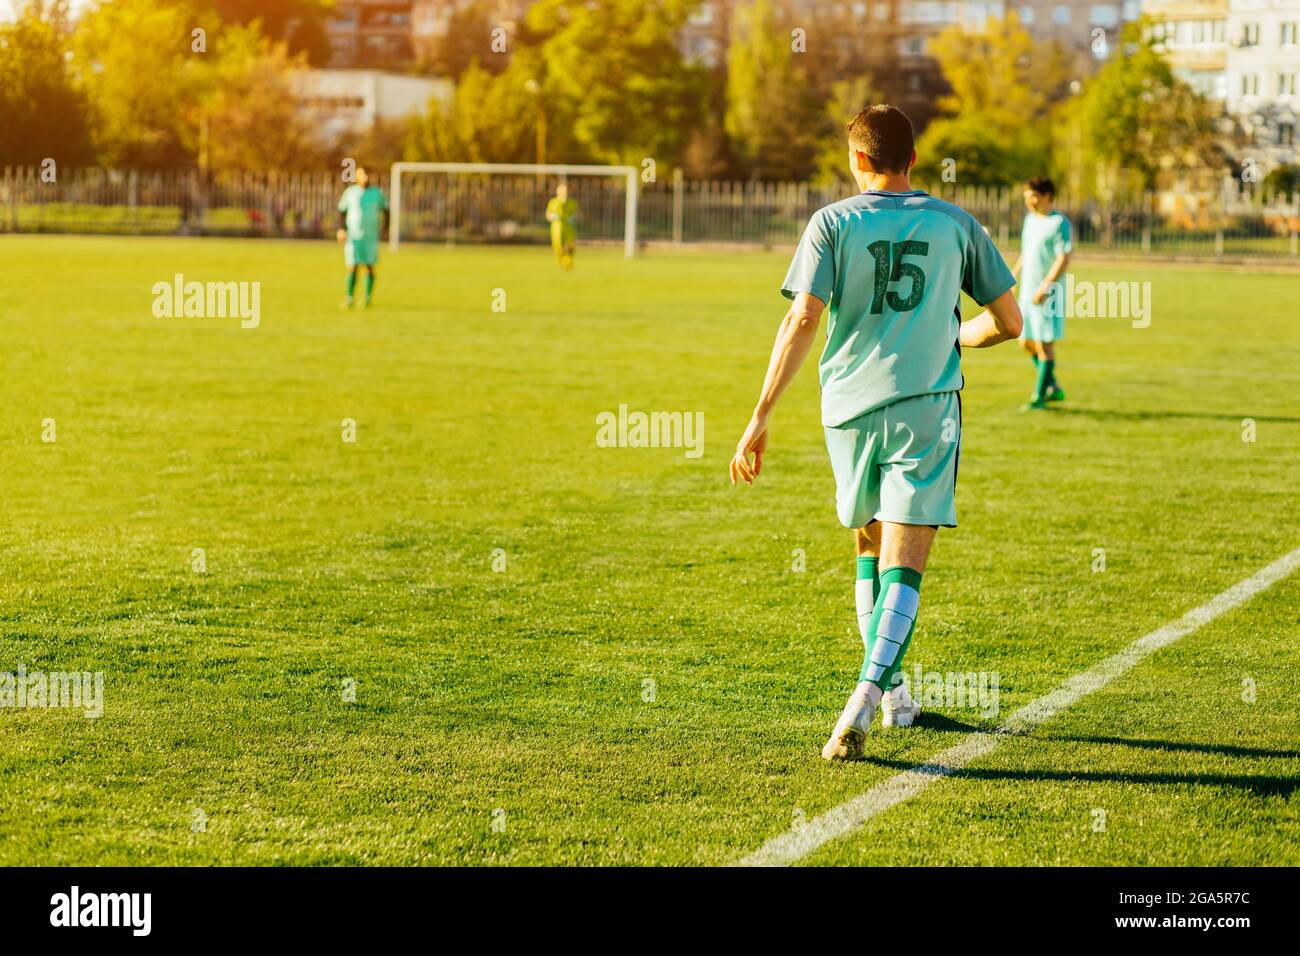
1231 221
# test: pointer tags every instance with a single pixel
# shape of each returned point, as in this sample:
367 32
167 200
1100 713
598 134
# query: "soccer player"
562 214
1044 253
360 211
892 262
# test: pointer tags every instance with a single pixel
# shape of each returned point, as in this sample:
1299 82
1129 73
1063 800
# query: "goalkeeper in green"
363 218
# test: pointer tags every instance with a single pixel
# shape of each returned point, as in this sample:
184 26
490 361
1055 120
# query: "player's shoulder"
952 211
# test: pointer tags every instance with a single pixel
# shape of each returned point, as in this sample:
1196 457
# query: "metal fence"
1231 221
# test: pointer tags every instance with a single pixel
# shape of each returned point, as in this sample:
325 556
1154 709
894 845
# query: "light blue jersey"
892 266
1041 241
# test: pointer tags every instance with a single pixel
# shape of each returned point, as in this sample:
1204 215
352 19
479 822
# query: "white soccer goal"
522 192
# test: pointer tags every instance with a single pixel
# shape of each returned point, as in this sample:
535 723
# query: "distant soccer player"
1044 253
363 218
892 262
562 214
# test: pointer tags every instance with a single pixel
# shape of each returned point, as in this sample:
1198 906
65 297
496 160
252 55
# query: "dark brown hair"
885 134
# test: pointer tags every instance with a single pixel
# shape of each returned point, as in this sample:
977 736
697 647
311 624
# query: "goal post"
628 173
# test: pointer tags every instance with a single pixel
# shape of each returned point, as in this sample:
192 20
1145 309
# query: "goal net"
506 202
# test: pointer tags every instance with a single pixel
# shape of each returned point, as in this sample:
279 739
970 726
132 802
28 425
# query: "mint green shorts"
361 252
1043 322
898 462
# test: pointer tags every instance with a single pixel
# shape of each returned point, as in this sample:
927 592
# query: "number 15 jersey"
892 266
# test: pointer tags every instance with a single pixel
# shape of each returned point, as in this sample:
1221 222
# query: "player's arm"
999 322
794 340
1058 269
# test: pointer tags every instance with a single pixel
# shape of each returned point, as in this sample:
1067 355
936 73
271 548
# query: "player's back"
893 267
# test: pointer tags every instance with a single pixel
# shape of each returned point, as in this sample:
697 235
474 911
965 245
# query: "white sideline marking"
848 816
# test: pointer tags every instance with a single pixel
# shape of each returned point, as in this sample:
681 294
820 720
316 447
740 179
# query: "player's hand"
342 234
1039 297
753 442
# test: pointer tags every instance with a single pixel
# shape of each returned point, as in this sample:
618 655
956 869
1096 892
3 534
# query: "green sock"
866 590
890 630
352 282
1044 375
1051 374
370 283
1033 357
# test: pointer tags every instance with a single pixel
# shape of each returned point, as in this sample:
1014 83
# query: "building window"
1104 16
1027 16
703 15
1250 84
1061 14
1289 33
1286 134
1132 9
1250 34
1286 84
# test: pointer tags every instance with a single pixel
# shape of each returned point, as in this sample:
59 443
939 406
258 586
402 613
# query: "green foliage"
144 82
1135 119
614 74
1284 179
42 113
847 99
997 123
253 94
773 118
299 24
490 119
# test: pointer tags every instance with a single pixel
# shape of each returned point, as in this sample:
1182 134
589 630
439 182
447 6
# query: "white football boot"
897 709
850 733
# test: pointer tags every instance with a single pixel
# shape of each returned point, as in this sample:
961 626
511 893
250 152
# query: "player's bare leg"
897 546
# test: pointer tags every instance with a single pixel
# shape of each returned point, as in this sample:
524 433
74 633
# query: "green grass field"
501 717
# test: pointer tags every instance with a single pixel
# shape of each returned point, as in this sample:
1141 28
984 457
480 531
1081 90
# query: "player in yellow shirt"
562 214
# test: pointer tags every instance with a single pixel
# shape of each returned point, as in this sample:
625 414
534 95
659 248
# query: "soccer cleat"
1057 394
345 304
898 709
850 734
1036 404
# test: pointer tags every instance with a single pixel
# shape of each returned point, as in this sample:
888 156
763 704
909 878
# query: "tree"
1135 119
1283 180
144 79
996 124
611 71
300 24
773 117
490 119
252 120
42 114
448 53
847 99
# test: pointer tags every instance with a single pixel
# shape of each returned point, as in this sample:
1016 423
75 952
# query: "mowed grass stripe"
841 820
